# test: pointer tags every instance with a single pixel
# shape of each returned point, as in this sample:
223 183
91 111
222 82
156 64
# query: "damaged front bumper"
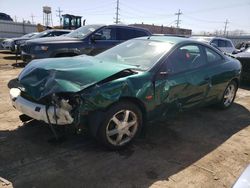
49 114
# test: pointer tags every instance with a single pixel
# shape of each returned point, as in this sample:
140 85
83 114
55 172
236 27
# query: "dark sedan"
114 93
244 58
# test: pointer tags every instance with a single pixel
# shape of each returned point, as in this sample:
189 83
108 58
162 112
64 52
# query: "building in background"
156 29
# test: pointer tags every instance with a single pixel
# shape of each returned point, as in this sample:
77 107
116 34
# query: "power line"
217 8
32 18
178 18
225 28
59 15
117 19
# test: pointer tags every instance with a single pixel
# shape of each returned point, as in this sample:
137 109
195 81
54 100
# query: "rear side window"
51 34
212 56
107 33
222 43
60 33
55 33
139 33
125 34
229 44
215 42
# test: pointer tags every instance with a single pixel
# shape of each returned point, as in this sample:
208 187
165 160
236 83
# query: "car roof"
209 37
174 40
63 30
129 26
171 39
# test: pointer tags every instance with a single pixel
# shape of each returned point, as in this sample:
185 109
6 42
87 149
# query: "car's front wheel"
121 124
229 95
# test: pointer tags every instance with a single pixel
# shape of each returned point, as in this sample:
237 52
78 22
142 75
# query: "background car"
224 44
243 45
89 39
9 44
244 179
46 33
5 17
244 58
116 92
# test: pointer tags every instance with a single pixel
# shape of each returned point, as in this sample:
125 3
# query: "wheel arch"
237 81
135 101
138 103
94 123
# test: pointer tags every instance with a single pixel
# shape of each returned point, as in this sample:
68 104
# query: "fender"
65 51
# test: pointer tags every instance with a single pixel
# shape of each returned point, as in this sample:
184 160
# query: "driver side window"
185 58
107 34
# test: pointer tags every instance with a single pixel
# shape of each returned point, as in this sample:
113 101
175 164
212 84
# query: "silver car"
223 44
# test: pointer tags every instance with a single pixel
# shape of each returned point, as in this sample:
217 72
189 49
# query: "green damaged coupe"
115 93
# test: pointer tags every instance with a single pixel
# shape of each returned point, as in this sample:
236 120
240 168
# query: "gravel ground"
201 148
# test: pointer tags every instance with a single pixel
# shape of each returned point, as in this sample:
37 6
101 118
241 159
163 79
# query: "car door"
216 70
103 40
187 83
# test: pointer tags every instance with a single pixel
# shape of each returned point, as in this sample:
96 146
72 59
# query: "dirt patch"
200 148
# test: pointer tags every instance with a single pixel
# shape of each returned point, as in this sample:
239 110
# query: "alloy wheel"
229 95
122 127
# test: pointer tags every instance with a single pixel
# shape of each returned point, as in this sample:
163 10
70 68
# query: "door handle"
209 82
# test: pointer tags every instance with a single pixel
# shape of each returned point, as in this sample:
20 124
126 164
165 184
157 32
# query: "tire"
121 123
229 95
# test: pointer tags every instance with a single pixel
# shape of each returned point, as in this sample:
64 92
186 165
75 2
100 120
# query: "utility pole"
117 20
225 29
59 15
15 18
178 18
32 18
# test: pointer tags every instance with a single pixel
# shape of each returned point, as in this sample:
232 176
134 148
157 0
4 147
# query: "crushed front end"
54 109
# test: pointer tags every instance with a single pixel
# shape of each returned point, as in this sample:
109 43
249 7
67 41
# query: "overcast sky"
197 15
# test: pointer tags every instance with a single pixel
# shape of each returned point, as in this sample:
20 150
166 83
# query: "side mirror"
161 75
96 36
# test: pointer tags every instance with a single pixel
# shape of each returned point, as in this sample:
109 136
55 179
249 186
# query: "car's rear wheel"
229 95
121 124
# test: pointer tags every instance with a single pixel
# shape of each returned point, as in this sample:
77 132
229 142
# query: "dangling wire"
51 126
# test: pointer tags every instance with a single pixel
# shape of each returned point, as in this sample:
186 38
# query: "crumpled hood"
41 78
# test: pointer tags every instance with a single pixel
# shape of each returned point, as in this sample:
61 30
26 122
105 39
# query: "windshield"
141 53
40 35
29 35
202 39
83 31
